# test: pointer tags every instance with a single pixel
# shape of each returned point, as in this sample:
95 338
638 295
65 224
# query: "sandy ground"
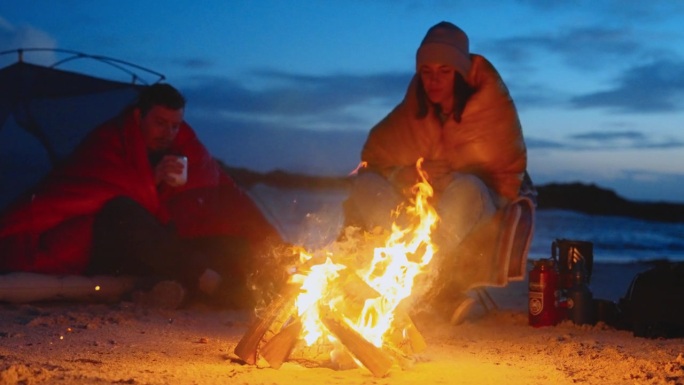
126 343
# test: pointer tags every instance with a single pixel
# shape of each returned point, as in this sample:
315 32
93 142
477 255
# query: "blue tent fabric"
44 113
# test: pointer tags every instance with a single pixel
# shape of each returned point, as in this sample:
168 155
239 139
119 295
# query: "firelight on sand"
390 275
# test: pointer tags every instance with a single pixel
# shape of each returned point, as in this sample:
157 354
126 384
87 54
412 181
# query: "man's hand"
167 169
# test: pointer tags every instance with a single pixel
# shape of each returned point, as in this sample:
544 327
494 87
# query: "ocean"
313 219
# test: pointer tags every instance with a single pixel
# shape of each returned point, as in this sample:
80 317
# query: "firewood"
316 355
418 343
278 349
356 293
356 288
286 316
372 357
410 340
405 361
246 349
341 358
405 336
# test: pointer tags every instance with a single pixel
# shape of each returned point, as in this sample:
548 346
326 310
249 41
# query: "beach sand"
126 343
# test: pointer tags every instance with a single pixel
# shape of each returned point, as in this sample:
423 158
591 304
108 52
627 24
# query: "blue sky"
296 85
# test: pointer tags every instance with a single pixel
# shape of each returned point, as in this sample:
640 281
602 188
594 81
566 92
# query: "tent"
46 111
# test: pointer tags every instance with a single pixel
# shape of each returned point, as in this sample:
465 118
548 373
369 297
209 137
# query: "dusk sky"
296 85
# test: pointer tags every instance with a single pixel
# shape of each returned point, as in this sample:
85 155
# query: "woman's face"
438 81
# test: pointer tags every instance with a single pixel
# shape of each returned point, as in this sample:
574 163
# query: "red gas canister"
543 293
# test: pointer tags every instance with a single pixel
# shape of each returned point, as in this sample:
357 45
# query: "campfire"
352 304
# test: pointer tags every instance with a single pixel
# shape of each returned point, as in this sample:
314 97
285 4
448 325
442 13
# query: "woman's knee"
469 188
468 193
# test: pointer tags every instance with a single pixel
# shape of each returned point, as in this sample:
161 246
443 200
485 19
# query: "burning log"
404 360
356 292
406 337
323 353
274 336
372 357
249 344
278 349
341 357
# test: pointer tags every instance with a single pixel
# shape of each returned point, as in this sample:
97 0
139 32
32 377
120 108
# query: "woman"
458 117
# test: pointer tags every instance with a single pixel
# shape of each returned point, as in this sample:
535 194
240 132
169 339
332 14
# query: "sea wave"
616 239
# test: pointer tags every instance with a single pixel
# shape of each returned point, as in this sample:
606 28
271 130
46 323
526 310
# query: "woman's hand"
437 173
435 169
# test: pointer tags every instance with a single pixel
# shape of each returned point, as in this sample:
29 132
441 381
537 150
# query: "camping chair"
494 254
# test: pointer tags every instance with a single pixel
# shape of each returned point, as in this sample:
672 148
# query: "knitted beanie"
445 43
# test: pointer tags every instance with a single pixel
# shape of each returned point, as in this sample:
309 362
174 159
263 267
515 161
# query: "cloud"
278 120
266 147
536 143
654 84
318 102
609 136
193 64
628 48
623 140
654 87
604 140
582 47
286 93
528 94
628 42
633 10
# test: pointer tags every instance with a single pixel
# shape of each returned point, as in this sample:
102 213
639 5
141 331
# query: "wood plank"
278 349
247 348
372 357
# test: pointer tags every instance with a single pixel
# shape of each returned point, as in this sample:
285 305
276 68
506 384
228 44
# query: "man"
115 206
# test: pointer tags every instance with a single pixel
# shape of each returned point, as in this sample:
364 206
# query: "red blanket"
50 230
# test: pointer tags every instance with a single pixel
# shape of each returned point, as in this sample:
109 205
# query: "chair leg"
462 310
486 299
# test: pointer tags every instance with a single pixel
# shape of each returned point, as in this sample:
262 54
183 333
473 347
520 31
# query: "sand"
127 343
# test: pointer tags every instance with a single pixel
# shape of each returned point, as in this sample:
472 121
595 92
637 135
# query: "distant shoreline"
591 199
580 197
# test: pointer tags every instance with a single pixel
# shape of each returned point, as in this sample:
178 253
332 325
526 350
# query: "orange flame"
358 168
390 273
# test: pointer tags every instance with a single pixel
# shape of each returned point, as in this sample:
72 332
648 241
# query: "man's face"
160 126
438 80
